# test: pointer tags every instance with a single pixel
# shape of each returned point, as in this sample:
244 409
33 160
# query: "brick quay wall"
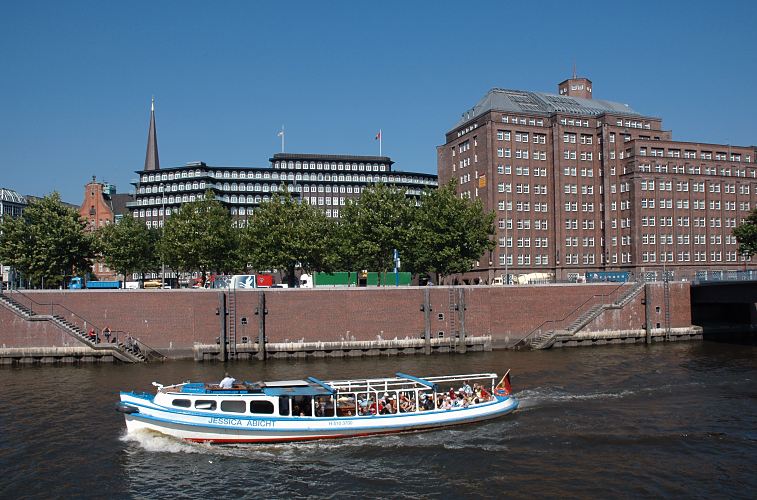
176 321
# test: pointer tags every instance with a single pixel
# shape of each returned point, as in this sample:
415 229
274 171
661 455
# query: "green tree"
375 224
47 243
746 235
129 246
450 233
284 234
200 237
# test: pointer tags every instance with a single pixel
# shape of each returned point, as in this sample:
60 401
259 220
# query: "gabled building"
103 206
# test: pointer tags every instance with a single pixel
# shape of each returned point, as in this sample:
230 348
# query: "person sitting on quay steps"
92 336
106 333
227 382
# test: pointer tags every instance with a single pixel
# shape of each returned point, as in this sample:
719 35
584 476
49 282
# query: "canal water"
675 420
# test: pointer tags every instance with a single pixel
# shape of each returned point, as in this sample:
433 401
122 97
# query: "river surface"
675 420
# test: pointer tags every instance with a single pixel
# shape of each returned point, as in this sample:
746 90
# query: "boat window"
265 407
284 406
302 406
205 404
233 406
324 406
345 405
184 403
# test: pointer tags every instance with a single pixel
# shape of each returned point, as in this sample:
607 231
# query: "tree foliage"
374 225
285 234
129 246
449 233
47 243
746 235
200 237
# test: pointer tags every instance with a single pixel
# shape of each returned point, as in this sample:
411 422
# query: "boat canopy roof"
315 387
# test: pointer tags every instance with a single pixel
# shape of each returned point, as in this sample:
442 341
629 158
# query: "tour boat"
299 410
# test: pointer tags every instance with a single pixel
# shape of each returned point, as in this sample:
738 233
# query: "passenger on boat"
376 407
320 409
466 388
484 394
227 382
427 402
406 405
460 402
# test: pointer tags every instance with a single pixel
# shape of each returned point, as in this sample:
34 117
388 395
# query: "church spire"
151 159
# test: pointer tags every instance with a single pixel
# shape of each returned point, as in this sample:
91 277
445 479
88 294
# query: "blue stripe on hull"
236 434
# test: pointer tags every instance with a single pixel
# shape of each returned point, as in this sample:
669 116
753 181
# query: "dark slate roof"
316 157
519 101
118 202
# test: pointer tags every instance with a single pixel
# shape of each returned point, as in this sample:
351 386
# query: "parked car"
153 284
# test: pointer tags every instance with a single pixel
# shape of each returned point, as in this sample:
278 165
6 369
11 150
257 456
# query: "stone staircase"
128 354
545 340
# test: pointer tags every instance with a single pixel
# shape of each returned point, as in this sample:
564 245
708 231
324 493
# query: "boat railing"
405 383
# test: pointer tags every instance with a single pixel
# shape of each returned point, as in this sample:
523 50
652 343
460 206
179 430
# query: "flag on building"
378 136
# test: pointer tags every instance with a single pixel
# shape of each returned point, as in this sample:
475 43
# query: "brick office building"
580 185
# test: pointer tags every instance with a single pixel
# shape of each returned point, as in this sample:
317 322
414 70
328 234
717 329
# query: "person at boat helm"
227 382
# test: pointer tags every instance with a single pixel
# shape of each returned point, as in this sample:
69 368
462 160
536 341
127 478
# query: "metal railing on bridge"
726 275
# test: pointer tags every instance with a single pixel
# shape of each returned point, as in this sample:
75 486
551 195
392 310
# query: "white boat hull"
215 428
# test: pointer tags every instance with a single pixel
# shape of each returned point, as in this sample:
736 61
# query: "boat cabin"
313 398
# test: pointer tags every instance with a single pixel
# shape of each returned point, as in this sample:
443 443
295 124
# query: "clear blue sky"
77 77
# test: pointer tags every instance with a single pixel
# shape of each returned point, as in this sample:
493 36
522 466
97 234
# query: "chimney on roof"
151 159
575 87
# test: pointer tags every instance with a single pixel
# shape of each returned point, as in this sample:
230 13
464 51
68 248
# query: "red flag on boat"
504 388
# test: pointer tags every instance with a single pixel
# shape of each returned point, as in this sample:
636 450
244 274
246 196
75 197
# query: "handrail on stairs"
150 350
545 322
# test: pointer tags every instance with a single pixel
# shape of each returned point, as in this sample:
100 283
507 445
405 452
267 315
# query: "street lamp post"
162 230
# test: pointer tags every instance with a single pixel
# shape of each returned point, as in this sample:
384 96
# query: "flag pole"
282 138
381 138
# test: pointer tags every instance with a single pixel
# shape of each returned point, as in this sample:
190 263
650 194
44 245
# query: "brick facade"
175 320
580 185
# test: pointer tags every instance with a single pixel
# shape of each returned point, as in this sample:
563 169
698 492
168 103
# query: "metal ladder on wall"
232 313
666 299
452 312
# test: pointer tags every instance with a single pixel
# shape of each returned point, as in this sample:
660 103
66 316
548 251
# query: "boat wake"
534 398
156 442
475 436
542 396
